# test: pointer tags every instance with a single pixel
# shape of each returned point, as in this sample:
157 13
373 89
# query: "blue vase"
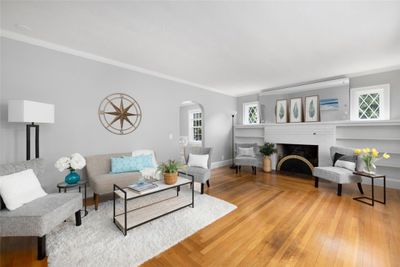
72 178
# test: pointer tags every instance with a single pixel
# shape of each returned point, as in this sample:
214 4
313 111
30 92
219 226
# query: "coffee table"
126 218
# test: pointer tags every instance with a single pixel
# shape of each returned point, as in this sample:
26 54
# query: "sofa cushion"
103 184
336 175
201 175
246 161
40 216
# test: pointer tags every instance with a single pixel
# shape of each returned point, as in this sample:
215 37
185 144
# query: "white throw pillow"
246 152
347 162
20 188
198 161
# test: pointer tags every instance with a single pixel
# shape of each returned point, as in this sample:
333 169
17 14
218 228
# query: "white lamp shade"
30 111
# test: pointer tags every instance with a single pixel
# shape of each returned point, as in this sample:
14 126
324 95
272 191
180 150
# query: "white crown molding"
86 55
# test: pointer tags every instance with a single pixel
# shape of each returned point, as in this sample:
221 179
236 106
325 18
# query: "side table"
372 198
64 186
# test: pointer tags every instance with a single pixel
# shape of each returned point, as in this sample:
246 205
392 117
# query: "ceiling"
230 47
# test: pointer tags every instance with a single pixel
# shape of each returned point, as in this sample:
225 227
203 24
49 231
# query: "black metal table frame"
79 186
124 229
372 198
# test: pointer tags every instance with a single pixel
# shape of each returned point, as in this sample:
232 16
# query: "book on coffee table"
141 187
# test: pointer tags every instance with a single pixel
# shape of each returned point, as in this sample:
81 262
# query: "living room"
199 133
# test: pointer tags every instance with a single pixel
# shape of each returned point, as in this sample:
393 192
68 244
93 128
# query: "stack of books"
142 187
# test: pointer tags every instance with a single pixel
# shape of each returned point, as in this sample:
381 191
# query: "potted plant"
267 150
72 163
369 157
170 171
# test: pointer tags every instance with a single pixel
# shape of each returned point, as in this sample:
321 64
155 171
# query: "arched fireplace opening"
297 158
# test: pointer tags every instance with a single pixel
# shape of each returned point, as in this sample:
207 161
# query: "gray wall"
76 86
342 93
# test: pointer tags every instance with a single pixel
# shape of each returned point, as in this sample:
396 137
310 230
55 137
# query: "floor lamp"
30 112
233 139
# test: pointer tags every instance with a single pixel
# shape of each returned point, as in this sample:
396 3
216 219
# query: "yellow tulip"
365 150
368 150
386 156
357 151
375 153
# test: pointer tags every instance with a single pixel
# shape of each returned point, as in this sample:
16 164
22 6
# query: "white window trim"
191 137
384 112
245 113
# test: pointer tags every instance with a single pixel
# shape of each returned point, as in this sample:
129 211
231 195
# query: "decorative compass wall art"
120 113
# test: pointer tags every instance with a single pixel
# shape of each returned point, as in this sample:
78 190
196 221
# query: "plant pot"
267 164
170 178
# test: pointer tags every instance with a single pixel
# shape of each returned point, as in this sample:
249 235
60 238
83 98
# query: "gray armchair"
40 216
246 160
336 174
201 175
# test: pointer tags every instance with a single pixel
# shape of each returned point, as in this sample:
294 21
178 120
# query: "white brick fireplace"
323 136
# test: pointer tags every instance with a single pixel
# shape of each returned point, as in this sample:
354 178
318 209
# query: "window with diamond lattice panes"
251 113
195 126
370 103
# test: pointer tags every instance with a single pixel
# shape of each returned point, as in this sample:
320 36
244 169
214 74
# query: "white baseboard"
221 163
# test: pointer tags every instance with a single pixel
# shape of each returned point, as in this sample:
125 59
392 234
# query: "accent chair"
40 216
337 174
201 175
241 160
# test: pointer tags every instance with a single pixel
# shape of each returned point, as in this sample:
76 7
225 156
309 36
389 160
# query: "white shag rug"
98 242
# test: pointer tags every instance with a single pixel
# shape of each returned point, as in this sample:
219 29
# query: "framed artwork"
312 108
281 111
329 104
296 110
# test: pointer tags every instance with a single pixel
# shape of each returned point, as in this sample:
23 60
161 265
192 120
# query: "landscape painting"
329 104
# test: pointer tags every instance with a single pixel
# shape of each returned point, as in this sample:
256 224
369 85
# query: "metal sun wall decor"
120 113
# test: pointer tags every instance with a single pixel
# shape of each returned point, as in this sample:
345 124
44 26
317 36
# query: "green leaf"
295 111
281 111
311 110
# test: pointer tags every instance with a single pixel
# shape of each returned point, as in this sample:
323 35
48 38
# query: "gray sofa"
201 175
40 216
101 179
336 174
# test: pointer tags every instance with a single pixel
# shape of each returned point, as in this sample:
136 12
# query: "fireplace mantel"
322 135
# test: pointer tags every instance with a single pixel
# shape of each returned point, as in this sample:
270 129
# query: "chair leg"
316 182
339 189
202 188
96 201
255 170
237 169
208 183
41 247
360 188
78 219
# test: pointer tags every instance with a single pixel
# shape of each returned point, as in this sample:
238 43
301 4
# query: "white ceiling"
231 47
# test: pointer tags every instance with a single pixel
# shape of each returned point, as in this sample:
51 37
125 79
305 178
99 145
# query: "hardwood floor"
280 221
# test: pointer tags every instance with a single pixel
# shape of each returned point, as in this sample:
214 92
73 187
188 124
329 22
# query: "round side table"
65 187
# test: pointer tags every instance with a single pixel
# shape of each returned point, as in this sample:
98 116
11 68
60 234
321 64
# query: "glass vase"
72 177
370 167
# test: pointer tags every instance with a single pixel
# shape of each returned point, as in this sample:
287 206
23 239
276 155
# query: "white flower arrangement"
74 162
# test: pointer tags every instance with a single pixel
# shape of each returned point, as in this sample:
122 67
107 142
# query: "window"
370 103
195 126
251 114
